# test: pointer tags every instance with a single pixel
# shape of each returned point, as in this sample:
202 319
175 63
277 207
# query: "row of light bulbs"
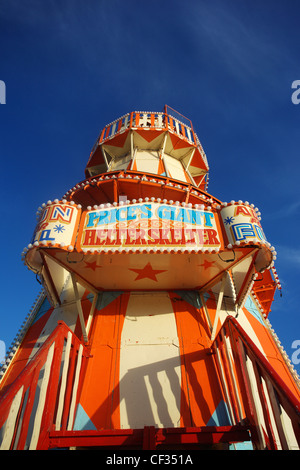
158 200
128 176
21 332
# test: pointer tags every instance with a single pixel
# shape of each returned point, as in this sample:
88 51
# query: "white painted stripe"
63 383
42 399
9 426
150 375
189 134
113 130
159 121
75 388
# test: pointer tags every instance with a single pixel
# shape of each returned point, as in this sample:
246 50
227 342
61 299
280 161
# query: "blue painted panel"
42 310
220 417
82 421
251 307
247 445
192 297
105 298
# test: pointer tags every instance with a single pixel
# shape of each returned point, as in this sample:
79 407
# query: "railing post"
69 388
11 424
229 358
61 398
229 381
264 405
249 402
277 413
220 369
28 409
75 389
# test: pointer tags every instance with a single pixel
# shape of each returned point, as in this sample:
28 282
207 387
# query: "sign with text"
148 224
242 224
58 225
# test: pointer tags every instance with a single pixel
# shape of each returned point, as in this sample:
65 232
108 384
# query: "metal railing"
254 391
149 120
44 396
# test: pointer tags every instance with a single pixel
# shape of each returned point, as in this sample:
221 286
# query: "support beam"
91 314
79 308
200 182
80 279
163 154
206 312
131 147
46 274
186 167
219 304
105 158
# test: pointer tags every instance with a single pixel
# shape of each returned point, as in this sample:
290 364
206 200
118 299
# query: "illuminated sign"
145 225
57 225
150 224
242 224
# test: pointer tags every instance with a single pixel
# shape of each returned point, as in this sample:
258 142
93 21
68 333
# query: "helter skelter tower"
152 330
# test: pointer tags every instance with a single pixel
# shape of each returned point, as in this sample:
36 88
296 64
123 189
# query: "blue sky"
70 67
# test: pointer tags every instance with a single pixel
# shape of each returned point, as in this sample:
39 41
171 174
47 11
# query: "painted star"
147 272
59 228
207 264
92 265
229 220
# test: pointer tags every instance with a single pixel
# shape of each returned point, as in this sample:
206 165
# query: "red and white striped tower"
152 328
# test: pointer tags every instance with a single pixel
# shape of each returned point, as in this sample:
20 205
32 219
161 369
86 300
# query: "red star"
147 272
92 265
207 264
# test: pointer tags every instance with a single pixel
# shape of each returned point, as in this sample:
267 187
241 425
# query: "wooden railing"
254 391
146 119
149 120
40 404
44 396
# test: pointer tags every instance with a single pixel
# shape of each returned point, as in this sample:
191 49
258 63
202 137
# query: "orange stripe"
22 355
100 393
272 352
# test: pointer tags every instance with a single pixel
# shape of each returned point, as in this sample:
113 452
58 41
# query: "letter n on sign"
61 213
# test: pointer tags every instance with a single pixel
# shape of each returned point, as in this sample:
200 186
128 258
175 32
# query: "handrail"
151 120
255 391
50 382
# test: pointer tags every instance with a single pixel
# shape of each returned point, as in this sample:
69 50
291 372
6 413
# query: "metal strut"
79 308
